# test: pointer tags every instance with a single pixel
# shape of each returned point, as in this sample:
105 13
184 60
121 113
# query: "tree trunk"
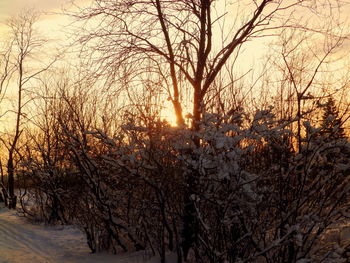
11 183
190 220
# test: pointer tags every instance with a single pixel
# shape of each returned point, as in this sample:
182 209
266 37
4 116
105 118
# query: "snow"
23 242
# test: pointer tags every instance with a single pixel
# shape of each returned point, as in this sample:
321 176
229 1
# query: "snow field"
22 242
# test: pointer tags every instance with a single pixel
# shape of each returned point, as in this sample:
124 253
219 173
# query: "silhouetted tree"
175 42
331 122
24 45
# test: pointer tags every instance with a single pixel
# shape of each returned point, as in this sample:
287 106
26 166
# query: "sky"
50 21
51 24
12 6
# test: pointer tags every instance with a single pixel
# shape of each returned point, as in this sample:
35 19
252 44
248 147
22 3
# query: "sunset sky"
12 6
50 19
52 25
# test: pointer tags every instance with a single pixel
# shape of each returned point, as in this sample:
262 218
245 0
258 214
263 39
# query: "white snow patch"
22 242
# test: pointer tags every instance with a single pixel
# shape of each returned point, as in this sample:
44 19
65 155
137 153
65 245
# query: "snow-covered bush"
232 191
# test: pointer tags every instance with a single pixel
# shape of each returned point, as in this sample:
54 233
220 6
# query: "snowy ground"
22 242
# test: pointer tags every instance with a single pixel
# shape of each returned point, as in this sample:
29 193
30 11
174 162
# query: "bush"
243 192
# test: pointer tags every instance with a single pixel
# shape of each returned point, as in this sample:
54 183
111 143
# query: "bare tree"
177 40
24 45
6 72
301 69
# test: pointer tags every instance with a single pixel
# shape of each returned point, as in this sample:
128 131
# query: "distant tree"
329 138
331 122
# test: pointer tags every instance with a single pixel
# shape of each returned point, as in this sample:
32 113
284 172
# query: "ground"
23 242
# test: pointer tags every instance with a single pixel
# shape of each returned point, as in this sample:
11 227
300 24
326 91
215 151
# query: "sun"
168 114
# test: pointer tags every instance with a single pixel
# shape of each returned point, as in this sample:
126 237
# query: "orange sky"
12 6
51 24
50 10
